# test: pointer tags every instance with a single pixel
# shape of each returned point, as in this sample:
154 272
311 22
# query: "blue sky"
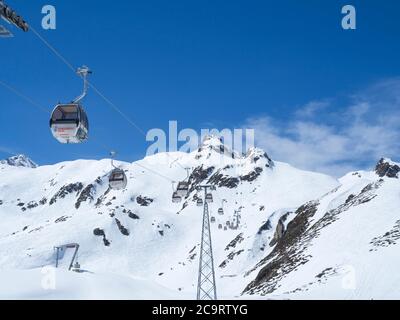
318 95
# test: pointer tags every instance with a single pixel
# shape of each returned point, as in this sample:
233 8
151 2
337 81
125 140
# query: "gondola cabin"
117 179
183 188
176 198
69 123
209 198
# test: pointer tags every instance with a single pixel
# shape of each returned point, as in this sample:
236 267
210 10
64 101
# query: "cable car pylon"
206 287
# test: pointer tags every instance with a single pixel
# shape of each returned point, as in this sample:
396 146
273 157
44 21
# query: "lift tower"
206 288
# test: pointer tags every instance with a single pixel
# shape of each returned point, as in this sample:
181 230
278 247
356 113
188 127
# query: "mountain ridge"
140 232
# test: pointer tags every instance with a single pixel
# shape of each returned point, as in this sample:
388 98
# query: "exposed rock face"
280 230
121 228
235 242
285 250
222 180
387 168
252 175
290 251
390 238
265 227
100 233
144 201
230 257
65 190
86 194
199 174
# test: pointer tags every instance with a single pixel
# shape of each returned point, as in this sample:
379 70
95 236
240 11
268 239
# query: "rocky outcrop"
100 233
121 228
144 201
221 180
253 175
387 168
265 227
284 258
230 257
390 238
66 190
198 175
235 242
290 251
85 195
280 230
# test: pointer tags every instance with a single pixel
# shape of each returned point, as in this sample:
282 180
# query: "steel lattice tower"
206 288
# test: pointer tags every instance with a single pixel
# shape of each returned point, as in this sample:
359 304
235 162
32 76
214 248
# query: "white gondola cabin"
117 179
183 188
209 198
69 123
176 198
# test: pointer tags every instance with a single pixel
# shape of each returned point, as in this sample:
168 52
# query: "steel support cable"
33 103
107 100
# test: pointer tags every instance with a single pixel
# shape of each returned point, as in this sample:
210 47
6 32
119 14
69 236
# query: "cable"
107 100
58 54
21 95
135 163
33 103
70 66
73 69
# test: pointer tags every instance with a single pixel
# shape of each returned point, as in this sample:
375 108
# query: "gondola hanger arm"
83 72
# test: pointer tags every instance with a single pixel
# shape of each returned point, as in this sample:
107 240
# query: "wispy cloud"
334 137
313 108
7 151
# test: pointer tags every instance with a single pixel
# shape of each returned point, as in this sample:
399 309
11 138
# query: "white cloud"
364 130
312 108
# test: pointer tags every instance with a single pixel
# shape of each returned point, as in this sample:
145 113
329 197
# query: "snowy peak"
387 168
256 154
212 143
20 161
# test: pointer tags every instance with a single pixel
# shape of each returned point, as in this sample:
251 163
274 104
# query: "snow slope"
342 245
58 284
138 233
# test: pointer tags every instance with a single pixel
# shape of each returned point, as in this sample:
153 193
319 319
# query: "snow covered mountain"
342 245
297 235
19 161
